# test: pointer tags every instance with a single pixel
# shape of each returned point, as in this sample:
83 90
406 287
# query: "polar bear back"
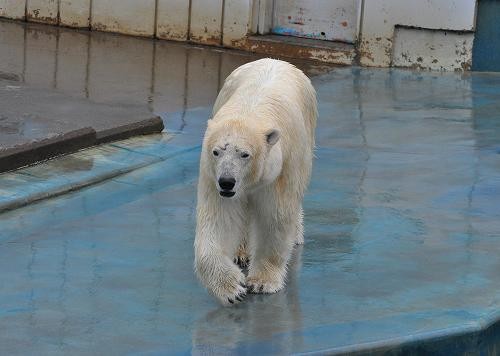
274 94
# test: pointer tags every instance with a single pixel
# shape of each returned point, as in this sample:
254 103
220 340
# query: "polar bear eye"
245 155
215 152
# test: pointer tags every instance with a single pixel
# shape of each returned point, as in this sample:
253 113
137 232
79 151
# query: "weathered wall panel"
172 19
130 17
332 20
45 11
432 49
12 9
75 13
206 21
381 16
237 17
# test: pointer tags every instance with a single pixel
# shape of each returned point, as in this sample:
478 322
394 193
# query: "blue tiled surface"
82 168
401 253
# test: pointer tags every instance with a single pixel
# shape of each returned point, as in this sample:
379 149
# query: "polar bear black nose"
227 183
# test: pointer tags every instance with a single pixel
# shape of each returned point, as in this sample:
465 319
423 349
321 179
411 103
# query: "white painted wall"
381 16
75 13
206 21
430 49
237 21
13 9
44 11
173 20
131 17
333 20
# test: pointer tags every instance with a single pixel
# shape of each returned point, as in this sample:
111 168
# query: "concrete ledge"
144 127
84 168
303 48
35 151
18 156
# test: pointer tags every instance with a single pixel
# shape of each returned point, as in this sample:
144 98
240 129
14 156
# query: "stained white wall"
237 21
430 49
131 17
380 18
42 11
75 13
173 20
206 21
14 9
333 20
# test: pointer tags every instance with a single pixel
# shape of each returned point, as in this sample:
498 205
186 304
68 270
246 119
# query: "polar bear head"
241 158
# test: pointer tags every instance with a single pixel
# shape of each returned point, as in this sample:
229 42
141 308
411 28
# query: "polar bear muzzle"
226 185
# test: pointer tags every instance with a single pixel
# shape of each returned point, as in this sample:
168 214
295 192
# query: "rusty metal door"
331 20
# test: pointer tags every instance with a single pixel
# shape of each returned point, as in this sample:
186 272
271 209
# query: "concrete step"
84 168
304 48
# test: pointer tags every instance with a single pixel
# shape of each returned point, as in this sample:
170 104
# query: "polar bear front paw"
231 292
267 285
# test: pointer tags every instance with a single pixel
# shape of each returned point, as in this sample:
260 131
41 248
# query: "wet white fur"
258 100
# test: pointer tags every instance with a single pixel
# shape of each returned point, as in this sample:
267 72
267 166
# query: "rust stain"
44 19
466 66
73 25
364 53
34 16
206 40
344 23
171 33
286 50
99 26
167 35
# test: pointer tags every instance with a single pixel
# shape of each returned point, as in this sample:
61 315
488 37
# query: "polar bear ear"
272 136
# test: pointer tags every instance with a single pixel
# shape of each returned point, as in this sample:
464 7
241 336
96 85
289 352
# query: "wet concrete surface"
55 80
402 224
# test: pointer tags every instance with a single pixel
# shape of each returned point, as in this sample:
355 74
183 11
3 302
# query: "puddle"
161 76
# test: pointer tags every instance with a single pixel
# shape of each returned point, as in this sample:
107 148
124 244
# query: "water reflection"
255 319
105 68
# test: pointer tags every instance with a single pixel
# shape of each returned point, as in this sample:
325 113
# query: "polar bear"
255 165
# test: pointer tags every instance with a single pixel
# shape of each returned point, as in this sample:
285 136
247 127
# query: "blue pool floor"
402 236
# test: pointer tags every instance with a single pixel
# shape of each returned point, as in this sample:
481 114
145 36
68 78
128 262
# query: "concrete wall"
381 18
13 9
432 34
